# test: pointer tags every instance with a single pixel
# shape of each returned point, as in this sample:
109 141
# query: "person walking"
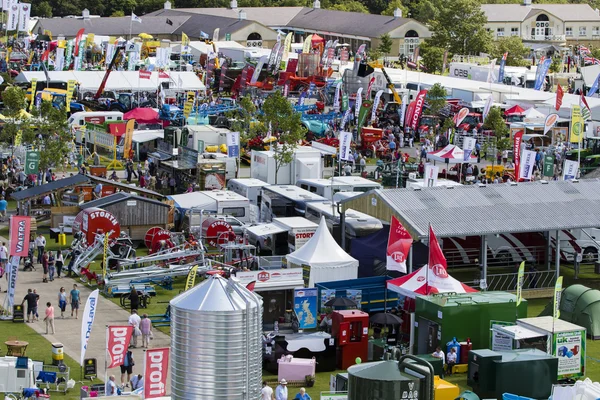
45 267
62 301
3 256
146 328
49 319
281 391
134 298
40 243
127 369
134 320
266 393
31 300
74 300
51 266
59 263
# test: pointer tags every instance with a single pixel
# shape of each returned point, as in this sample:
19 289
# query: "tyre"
590 255
503 258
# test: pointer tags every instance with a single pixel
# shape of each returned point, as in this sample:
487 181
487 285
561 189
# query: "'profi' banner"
117 343
156 370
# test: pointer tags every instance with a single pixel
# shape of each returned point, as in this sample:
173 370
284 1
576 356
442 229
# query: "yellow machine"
149 45
444 390
390 84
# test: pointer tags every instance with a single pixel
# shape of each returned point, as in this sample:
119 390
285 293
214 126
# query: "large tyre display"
96 220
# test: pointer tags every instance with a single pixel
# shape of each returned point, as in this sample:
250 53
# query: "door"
540 32
432 337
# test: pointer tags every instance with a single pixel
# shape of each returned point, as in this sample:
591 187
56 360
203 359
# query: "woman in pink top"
146 328
49 317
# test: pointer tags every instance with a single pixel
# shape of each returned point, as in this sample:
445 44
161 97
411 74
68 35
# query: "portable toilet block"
454 344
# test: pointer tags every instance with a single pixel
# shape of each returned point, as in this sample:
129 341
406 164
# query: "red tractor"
472 120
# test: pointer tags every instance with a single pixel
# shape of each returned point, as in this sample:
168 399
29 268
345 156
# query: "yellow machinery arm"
390 85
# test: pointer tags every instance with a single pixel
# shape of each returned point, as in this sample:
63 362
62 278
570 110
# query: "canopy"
533 114
325 258
148 135
580 305
450 154
516 109
316 39
143 115
417 283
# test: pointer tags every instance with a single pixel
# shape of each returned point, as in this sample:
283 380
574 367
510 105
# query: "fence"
508 282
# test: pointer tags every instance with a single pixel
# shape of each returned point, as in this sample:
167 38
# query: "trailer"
375 296
285 201
16 374
328 187
282 236
305 165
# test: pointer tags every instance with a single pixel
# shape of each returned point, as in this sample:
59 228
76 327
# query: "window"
596 30
582 31
235 211
514 31
500 32
569 31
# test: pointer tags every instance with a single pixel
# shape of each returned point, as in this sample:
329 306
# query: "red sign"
145 74
95 120
19 236
117 344
559 96
77 40
437 261
156 371
162 75
399 242
419 103
518 138
292 64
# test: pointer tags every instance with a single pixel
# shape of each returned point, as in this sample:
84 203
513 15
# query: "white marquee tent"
326 259
89 81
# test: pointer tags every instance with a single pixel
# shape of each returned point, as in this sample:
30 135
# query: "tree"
432 57
557 63
351 6
243 120
285 123
459 26
42 9
392 5
436 98
513 45
385 44
501 141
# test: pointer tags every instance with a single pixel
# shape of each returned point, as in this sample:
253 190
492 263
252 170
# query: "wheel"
590 255
503 258
368 153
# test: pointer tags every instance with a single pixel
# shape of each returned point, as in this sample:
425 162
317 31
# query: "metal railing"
508 282
545 38
270 262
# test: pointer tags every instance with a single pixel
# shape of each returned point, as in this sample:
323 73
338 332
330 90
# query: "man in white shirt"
281 392
40 243
451 359
266 393
438 353
134 320
111 388
3 256
137 382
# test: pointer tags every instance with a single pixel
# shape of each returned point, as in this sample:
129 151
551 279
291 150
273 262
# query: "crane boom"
390 85
115 60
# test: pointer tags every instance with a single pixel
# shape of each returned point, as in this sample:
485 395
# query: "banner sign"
156 370
305 307
468 147
502 65
19 236
520 280
128 141
32 162
541 75
517 139
89 313
431 175
345 139
24 16
526 164
551 120
576 124
418 110
336 98
358 102
460 116
570 170
365 107
117 343
233 144
376 104
355 295
549 165
557 295
398 246
487 108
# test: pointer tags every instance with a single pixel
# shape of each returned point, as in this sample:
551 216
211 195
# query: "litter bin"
57 353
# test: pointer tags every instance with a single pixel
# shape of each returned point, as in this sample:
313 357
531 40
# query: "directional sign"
32 162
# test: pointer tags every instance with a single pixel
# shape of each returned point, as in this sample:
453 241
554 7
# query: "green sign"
32 162
227 37
200 146
549 165
345 104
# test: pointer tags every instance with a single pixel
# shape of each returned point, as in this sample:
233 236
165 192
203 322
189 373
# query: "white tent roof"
118 80
321 250
533 114
196 199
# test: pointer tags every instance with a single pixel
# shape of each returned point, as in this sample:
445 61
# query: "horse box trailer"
306 164
15 377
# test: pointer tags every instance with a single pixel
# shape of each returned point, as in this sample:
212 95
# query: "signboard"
32 162
227 37
275 277
233 144
494 323
501 342
189 156
301 236
355 295
326 295
305 306
90 367
569 347
549 165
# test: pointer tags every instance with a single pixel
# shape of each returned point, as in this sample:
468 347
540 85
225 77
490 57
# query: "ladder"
169 254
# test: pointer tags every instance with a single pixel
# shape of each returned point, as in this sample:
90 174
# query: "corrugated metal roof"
50 187
268 16
112 26
475 210
196 22
118 197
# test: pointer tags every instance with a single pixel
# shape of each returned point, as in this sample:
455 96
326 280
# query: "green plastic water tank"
467 395
380 380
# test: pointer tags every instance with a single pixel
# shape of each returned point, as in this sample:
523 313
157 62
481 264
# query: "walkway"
68 330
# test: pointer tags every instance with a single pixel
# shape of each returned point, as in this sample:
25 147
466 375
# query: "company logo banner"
526 165
89 314
570 171
19 236
345 142
156 370
419 104
517 139
117 343
398 246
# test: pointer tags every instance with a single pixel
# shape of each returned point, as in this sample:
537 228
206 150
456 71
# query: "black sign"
18 315
90 367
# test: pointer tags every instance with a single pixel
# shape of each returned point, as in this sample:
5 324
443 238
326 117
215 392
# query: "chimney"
233 4
241 15
527 3
317 4
85 14
167 5
397 13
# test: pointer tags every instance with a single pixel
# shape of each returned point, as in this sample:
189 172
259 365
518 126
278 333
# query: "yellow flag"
576 124
128 141
307 44
557 295
89 40
520 280
48 33
287 45
185 40
191 278
70 88
33 87
105 258
62 44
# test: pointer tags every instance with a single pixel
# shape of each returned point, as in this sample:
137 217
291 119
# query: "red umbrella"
317 39
514 110
143 116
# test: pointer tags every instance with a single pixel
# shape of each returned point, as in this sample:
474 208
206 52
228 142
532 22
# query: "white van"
230 163
78 120
328 187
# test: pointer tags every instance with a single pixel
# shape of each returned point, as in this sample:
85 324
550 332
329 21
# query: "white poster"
403 109
89 312
487 108
13 17
24 14
376 104
501 342
527 163
13 270
345 142
358 102
59 61
468 147
569 348
570 170
431 175
110 50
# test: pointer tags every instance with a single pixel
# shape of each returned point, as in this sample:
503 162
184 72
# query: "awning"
265 229
518 332
147 136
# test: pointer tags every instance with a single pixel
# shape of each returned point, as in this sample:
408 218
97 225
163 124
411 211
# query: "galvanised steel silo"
216 342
